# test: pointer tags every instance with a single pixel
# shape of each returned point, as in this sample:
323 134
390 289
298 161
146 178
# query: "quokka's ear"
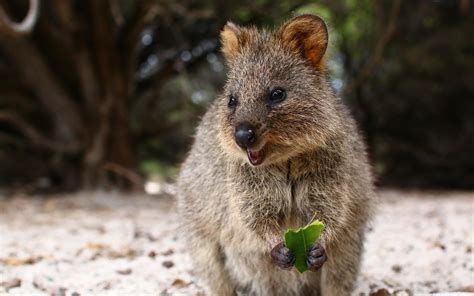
306 34
233 39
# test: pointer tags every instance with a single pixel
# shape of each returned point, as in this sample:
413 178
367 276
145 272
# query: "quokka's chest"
279 198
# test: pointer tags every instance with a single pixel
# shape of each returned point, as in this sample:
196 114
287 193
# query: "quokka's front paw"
316 257
282 256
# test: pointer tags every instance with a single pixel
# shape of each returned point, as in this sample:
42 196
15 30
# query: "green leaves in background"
301 240
158 171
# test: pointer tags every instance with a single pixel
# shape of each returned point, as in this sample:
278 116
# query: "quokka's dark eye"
232 102
277 95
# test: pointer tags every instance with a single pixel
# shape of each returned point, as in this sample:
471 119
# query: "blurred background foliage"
108 93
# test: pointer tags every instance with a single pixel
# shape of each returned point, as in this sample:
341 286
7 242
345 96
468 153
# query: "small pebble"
13 283
380 292
396 268
124 271
168 252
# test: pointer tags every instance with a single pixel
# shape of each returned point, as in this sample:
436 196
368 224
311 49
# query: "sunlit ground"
110 243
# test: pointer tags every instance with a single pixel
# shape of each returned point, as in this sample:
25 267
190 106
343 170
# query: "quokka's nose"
245 135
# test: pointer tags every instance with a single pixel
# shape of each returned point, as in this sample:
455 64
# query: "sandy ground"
111 244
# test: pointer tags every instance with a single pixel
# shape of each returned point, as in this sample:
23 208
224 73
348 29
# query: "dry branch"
35 136
36 73
379 49
26 25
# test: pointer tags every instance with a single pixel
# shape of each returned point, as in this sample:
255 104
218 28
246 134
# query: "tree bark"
84 89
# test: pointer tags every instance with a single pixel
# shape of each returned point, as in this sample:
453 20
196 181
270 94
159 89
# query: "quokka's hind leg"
208 263
339 273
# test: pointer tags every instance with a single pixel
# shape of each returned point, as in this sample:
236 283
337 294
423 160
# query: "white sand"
110 244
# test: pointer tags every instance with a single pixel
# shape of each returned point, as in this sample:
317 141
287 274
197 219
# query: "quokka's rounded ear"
233 38
306 34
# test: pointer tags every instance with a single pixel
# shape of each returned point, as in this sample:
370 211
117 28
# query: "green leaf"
301 240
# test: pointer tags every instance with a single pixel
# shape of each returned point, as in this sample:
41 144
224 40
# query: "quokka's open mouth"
256 157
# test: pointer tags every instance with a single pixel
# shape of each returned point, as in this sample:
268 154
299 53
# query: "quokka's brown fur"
315 167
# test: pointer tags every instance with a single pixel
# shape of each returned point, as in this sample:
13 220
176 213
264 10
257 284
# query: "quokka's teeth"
255 157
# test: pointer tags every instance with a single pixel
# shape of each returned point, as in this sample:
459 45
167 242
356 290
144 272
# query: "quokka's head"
276 102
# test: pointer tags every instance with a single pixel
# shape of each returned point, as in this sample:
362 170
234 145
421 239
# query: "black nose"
245 135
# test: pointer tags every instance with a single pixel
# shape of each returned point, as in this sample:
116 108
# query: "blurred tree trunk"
77 67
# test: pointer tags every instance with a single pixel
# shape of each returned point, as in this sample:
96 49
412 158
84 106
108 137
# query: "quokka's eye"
277 95
232 102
